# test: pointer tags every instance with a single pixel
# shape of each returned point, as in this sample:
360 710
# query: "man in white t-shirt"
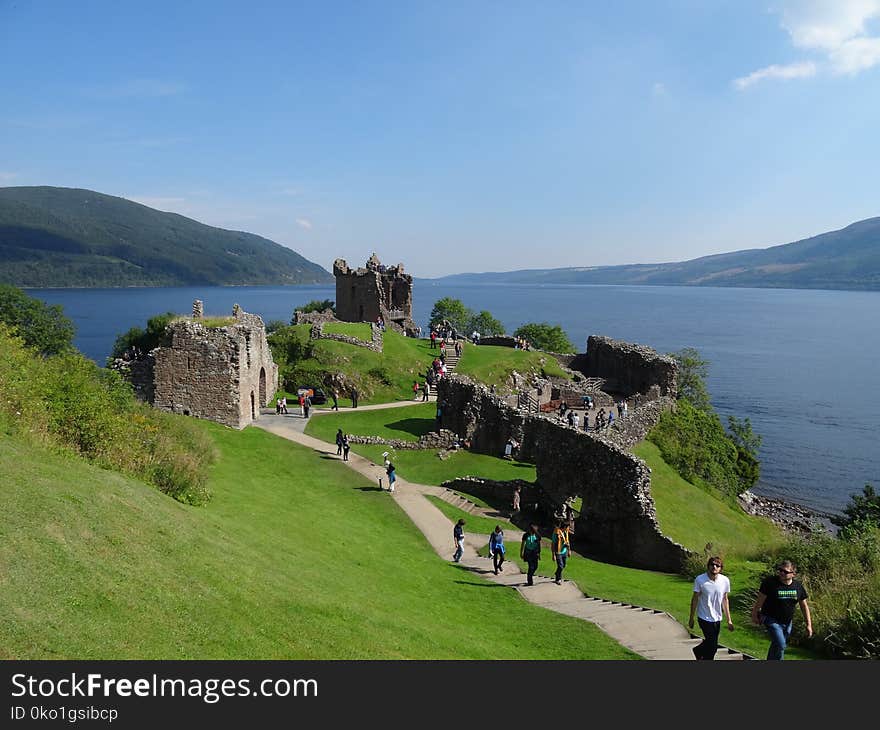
711 604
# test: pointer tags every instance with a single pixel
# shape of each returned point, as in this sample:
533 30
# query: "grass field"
494 365
295 557
358 330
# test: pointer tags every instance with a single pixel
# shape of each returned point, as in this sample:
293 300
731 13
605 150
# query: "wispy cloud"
7 177
792 71
839 31
304 223
658 89
136 89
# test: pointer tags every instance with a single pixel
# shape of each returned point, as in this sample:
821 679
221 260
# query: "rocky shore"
788 515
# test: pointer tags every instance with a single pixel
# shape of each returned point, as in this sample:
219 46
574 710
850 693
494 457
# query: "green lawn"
694 518
406 424
494 365
295 557
358 330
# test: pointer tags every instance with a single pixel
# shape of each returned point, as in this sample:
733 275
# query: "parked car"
317 395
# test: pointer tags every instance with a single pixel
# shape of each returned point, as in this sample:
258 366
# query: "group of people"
342 445
604 419
521 343
778 597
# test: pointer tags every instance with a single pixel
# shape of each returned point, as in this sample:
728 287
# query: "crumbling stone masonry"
618 518
627 368
363 295
224 374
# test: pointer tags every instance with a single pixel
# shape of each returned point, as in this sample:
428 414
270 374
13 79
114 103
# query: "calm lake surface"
802 365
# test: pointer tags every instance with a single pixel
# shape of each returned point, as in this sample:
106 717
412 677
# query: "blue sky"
457 136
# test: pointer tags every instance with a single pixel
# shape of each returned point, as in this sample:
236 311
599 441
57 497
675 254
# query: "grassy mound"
295 557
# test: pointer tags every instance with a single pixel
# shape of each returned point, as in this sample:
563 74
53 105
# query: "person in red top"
433 339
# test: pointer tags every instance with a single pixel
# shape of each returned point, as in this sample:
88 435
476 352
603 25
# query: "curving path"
651 633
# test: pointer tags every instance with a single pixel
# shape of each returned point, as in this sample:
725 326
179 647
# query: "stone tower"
363 295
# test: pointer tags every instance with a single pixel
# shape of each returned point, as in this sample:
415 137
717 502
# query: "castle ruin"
224 373
373 292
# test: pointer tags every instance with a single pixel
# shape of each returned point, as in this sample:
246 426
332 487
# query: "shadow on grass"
413 426
370 489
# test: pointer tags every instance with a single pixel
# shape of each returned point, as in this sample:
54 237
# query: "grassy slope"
358 330
95 565
405 359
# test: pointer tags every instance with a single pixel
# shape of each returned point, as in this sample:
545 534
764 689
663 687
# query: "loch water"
801 364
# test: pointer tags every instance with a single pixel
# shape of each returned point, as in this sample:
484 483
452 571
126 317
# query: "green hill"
844 259
66 237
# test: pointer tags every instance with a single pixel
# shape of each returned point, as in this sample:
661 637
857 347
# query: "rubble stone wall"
617 520
627 368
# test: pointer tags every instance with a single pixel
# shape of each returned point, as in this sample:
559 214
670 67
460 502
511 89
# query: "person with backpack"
496 548
392 476
345 448
530 551
458 539
340 437
560 547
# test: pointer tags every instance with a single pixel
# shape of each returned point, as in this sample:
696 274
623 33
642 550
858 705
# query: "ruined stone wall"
375 344
224 374
617 519
626 367
314 317
498 341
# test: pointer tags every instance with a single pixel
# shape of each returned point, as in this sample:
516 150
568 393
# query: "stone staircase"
456 500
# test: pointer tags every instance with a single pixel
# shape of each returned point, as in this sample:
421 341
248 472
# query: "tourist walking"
302 405
516 498
559 547
354 397
278 407
458 539
415 389
426 390
345 448
496 548
284 404
307 405
392 475
530 551
774 607
711 604
433 339
335 396
340 437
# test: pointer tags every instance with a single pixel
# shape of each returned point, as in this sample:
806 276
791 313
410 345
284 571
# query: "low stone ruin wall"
618 518
499 492
498 341
628 368
627 432
139 374
435 440
314 317
375 343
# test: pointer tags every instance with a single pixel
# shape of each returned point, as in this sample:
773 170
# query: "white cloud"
792 71
840 31
304 223
658 89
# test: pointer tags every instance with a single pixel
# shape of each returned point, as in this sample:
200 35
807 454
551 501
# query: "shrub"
143 340
68 402
544 336
41 326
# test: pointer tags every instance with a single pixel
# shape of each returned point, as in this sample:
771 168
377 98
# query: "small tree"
144 340
485 324
862 509
453 311
42 326
692 373
316 305
545 337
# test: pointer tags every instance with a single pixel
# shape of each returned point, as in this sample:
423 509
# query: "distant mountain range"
66 237
844 259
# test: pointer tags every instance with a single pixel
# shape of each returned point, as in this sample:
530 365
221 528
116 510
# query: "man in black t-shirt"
774 607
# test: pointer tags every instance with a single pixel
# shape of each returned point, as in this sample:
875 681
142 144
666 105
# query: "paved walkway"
652 634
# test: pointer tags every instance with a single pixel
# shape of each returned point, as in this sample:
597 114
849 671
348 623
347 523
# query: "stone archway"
263 395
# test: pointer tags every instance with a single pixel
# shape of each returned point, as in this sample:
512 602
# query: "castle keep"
364 295
222 373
